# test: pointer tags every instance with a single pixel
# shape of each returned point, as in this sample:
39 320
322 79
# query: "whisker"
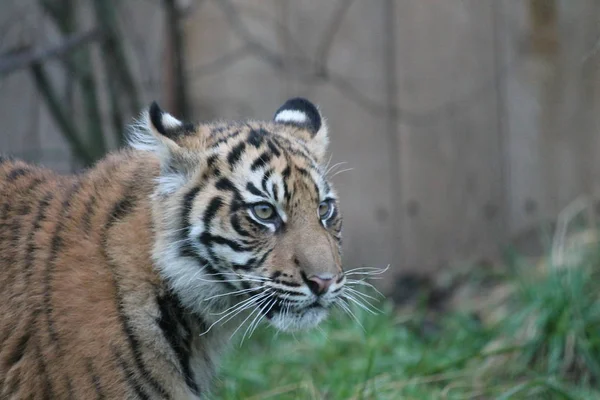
234 292
257 309
344 306
368 268
358 303
238 275
233 313
326 168
340 171
249 299
363 283
359 293
334 166
365 302
254 324
367 271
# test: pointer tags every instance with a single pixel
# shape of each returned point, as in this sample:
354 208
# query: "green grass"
541 341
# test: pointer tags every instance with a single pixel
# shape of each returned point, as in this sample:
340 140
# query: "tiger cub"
127 280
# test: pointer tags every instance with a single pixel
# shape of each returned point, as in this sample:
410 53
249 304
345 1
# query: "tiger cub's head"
245 218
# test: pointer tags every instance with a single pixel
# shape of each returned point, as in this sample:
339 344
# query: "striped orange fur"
127 280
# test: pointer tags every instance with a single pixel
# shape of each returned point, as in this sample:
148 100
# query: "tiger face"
246 222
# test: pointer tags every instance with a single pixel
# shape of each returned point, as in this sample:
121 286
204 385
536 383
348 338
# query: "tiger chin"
128 280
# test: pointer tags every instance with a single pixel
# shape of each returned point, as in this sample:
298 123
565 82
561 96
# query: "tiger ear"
172 141
303 114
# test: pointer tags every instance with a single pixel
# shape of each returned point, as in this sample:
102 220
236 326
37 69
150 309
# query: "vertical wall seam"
500 81
391 98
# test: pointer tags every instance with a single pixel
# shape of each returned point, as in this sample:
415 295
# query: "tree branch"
59 114
79 65
112 47
22 58
177 51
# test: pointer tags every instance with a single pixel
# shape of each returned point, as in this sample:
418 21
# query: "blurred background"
465 127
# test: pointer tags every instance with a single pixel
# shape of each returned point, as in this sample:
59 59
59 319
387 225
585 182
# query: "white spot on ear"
170 121
291 116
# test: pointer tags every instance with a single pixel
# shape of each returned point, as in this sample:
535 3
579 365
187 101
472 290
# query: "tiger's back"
66 329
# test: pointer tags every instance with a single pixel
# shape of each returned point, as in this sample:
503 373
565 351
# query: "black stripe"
19 350
289 283
295 148
4 215
186 249
263 258
119 211
55 247
95 380
286 192
208 240
237 226
258 225
256 137
303 171
211 210
188 202
31 246
225 138
285 174
21 206
236 203
261 161
86 219
226 184
16 173
177 333
211 161
254 190
122 208
248 266
236 153
30 252
274 148
265 179
129 376
214 273
90 205
25 208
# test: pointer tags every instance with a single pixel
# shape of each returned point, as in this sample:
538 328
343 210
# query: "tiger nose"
319 285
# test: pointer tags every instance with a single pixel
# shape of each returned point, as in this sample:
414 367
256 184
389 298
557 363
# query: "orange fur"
89 304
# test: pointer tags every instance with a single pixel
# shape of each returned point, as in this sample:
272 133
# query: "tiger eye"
325 209
263 211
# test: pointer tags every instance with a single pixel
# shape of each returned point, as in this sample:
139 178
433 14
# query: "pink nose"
319 285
